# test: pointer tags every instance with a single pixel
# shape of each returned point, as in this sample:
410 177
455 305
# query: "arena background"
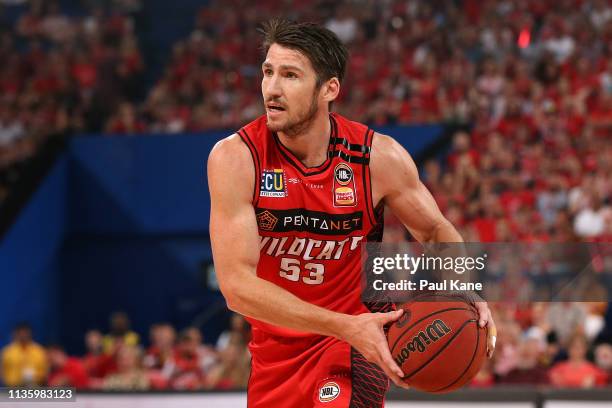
108 110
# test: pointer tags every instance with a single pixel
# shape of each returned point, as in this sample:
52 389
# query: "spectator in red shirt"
65 371
232 369
159 358
125 121
577 372
603 359
97 364
193 360
528 370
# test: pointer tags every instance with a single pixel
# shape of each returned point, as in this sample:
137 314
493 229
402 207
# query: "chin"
275 126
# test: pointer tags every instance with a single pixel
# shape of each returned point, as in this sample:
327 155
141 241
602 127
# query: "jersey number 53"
292 269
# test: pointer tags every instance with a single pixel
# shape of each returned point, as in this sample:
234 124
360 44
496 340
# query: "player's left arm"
395 180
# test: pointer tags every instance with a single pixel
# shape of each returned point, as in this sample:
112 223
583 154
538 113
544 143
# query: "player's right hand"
366 334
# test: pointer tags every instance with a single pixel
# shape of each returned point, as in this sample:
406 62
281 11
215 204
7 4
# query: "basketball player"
293 195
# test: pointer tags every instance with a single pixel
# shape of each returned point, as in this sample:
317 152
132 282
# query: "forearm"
257 298
443 232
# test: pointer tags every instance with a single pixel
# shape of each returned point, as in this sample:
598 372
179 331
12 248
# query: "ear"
330 90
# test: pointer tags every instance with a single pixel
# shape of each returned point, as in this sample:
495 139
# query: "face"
577 349
57 358
127 358
120 322
23 335
93 339
289 89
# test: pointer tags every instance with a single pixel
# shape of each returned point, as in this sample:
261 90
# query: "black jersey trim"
350 158
369 383
369 136
251 146
358 148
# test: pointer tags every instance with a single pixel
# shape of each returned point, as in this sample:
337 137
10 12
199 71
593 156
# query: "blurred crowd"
560 344
488 61
62 73
119 360
564 344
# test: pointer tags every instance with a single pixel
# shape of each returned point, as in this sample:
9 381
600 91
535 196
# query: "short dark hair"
19 326
323 48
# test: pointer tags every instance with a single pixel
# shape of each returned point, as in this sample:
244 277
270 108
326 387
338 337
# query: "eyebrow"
286 67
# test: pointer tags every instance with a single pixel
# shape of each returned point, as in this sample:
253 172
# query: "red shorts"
312 372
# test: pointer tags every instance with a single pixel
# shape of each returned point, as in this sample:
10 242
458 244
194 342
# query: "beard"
300 124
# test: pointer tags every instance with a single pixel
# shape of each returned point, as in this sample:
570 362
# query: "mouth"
272 107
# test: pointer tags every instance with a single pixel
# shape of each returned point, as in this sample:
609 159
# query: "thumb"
389 317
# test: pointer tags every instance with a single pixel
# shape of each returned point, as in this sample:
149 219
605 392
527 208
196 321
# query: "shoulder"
389 159
385 146
38 349
231 169
230 153
8 349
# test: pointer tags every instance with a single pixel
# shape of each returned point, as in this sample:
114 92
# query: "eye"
291 75
267 72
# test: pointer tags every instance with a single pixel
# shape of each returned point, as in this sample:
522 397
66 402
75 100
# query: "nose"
270 87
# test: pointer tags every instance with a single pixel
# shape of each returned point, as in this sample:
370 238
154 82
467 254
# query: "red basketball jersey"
313 220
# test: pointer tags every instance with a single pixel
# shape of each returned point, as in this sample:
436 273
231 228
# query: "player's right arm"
235 243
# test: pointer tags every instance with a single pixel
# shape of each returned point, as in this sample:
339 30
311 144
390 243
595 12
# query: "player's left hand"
485 319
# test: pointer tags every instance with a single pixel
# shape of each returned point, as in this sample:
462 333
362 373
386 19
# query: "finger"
491 338
484 314
389 317
397 380
387 360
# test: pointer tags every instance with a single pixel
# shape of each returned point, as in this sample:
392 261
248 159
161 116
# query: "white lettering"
340 248
272 246
297 246
326 253
262 242
311 243
355 242
281 250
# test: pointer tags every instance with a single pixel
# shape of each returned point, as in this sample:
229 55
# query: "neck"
311 144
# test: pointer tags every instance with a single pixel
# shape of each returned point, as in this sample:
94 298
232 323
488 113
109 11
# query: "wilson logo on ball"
329 392
404 319
432 333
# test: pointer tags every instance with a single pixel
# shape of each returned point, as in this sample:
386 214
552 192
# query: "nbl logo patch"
273 183
344 186
343 174
329 391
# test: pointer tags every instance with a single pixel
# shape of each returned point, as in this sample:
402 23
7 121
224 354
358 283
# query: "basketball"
437 343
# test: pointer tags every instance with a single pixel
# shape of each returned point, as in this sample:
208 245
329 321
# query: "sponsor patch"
329 391
266 220
301 219
344 186
273 183
343 174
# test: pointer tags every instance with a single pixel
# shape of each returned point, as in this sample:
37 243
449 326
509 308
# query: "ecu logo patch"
273 183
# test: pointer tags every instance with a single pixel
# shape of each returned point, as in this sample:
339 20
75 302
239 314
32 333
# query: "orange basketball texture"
437 343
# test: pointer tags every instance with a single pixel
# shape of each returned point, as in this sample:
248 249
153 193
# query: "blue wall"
140 185
121 223
29 259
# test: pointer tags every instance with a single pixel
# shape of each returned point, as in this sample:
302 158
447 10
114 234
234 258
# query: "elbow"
232 293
